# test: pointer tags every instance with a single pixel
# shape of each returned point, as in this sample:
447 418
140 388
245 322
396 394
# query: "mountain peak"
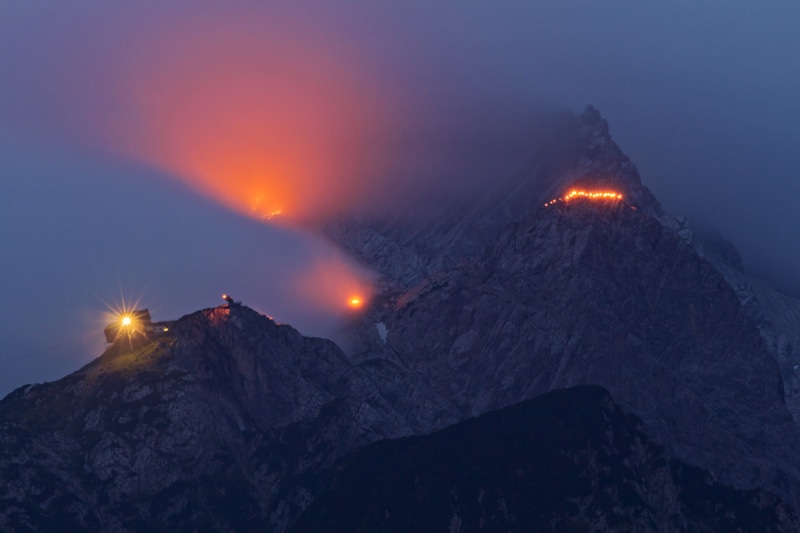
211 423
507 299
570 151
591 119
598 159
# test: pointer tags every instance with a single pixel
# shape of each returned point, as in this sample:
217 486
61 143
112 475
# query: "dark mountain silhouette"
569 460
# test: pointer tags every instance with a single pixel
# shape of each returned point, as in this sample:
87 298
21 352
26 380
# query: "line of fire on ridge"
597 196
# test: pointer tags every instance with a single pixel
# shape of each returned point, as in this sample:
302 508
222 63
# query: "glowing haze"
139 141
269 117
258 113
335 284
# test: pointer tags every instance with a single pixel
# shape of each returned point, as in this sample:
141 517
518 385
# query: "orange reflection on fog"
334 284
270 120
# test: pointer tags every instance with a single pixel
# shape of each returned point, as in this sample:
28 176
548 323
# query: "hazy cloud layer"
137 141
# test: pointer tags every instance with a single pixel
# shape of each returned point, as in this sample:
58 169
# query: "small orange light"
355 302
126 321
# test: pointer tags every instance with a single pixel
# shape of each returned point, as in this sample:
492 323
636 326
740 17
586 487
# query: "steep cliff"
777 316
407 247
589 294
213 426
613 294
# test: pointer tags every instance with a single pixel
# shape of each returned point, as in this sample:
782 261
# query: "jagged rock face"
542 298
776 314
576 150
214 425
569 460
586 294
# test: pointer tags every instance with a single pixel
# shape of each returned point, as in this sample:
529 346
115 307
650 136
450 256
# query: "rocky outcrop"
409 249
776 314
587 294
215 425
549 297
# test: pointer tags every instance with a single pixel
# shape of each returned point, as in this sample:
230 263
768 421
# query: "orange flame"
597 196
593 195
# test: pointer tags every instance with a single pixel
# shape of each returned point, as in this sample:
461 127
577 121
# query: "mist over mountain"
556 293
181 128
568 273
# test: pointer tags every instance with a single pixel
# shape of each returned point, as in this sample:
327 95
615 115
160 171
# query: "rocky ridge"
577 150
213 425
550 297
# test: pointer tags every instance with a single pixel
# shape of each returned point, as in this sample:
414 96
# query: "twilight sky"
144 146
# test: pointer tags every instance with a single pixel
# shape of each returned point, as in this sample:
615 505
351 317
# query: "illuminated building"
136 322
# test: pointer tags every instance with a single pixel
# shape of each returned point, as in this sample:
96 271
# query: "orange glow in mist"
270 119
334 284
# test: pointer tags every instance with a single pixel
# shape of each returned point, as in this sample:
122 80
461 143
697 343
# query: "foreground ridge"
569 460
